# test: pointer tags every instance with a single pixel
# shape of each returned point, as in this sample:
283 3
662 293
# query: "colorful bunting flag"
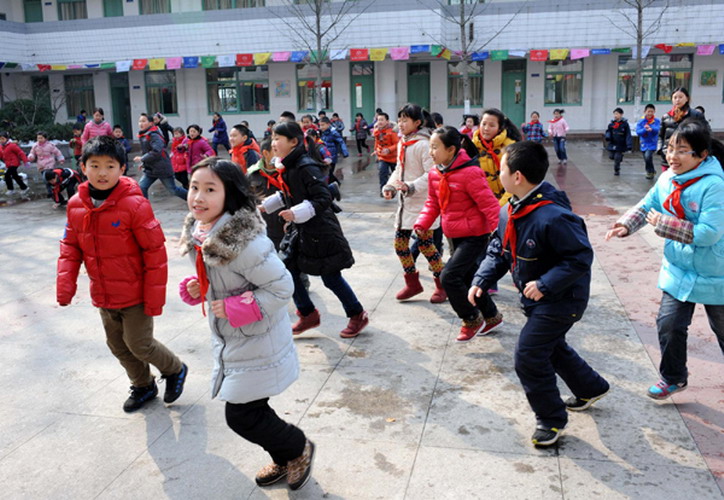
174 62
281 56
262 58
44 67
11 65
445 53
299 55
208 61
2 64
666 48
58 67
339 54
705 50
435 50
418 49
157 64
579 53
76 66
227 60
538 55
479 56
313 56
378 54
721 48
499 55
108 65
191 62
359 54
244 59
645 49
28 66
123 66
622 50
516 53
139 64
559 54
92 65
686 44
400 53
600 52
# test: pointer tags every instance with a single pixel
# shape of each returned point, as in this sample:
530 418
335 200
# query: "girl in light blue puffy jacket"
686 207
246 288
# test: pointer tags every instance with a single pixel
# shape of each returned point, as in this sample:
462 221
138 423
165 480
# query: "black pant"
12 173
541 353
616 156
69 189
362 143
436 238
183 178
258 423
457 276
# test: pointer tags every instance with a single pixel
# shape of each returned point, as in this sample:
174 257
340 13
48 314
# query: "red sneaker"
470 329
305 323
492 323
355 326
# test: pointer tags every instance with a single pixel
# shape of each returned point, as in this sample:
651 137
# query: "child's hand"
618 232
137 159
261 208
385 151
653 217
219 309
475 292
401 186
531 291
287 215
194 289
388 194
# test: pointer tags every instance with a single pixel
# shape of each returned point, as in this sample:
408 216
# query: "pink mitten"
184 293
242 309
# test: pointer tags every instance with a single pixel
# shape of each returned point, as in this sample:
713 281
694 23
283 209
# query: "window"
458 2
236 90
79 94
232 4
306 82
564 82
455 87
71 9
161 92
40 87
661 74
154 6
33 11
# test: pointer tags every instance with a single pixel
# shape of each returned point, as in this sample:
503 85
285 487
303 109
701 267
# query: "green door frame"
33 10
362 90
418 85
121 102
512 97
112 8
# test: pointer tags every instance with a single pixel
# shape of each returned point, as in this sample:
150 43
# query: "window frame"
235 4
238 83
479 76
330 95
79 89
160 85
141 12
653 74
60 3
569 72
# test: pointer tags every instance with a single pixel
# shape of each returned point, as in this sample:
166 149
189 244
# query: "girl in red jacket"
459 192
13 156
178 158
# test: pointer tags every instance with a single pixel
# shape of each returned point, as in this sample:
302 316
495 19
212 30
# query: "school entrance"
121 102
363 90
418 84
513 93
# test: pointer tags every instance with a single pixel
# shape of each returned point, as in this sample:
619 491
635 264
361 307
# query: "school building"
191 58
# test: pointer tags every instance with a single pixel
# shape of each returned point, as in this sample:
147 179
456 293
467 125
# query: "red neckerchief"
510 235
531 123
153 128
616 125
677 113
275 180
201 274
555 120
237 155
403 149
672 203
649 122
490 149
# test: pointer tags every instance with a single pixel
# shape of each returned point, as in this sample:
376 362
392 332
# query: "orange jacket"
386 138
240 154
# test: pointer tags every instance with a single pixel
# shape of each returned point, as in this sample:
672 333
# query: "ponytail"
451 137
313 149
416 113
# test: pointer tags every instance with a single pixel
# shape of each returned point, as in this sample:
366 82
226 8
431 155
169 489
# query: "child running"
410 180
686 208
335 144
360 130
244 149
648 131
195 146
246 289
558 128
533 130
495 133
118 134
265 181
154 160
13 157
458 191
386 140
112 230
618 136
546 249
178 158
62 179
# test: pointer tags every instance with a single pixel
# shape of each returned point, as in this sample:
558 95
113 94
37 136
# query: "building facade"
82 47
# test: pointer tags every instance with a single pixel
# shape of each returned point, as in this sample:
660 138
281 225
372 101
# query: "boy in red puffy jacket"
111 228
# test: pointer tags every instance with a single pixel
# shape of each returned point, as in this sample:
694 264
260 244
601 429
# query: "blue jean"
541 353
336 283
385 169
649 161
673 325
169 182
559 145
436 238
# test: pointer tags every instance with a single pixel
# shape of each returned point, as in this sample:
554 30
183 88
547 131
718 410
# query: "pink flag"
400 53
579 53
705 50
281 56
174 62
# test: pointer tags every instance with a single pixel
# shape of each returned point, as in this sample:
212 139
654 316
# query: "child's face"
103 172
323 125
469 122
534 117
282 146
510 181
556 115
206 196
178 134
3 140
440 154
407 125
650 113
617 116
235 138
193 133
97 117
143 123
306 122
117 133
53 181
267 154
41 139
679 99
489 127
77 132
382 121
680 157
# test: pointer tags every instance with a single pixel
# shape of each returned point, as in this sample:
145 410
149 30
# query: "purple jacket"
196 150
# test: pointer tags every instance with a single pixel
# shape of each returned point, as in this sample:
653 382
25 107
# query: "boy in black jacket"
546 248
618 136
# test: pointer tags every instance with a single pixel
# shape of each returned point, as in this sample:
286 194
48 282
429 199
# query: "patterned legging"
426 246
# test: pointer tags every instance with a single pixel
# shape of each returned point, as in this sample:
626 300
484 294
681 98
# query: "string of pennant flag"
361 54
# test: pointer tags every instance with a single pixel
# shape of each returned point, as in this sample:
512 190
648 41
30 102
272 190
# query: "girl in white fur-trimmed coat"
246 289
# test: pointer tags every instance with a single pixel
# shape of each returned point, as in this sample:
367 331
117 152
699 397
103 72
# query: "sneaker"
25 191
492 323
546 436
650 175
175 384
617 172
355 326
139 397
334 190
300 469
565 162
10 192
579 404
270 474
470 329
492 291
662 389
311 320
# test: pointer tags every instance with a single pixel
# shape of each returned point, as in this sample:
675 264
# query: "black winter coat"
668 127
552 249
154 157
619 137
323 249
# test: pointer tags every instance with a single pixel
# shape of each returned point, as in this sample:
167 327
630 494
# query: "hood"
125 187
498 140
546 191
229 236
710 166
623 119
423 133
461 160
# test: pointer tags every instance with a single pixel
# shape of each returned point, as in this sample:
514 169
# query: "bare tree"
634 28
317 25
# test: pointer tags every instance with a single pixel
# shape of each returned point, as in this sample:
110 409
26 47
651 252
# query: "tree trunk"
319 96
465 57
638 78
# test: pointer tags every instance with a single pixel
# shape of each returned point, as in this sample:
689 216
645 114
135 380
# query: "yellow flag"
558 54
686 44
378 54
157 64
262 58
445 54
58 67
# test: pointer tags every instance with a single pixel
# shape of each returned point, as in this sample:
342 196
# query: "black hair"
83 112
416 113
476 120
650 106
535 113
697 134
437 119
378 111
99 110
104 145
265 145
335 114
325 119
193 125
561 111
50 174
217 114
245 123
288 115
618 110
450 136
686 93
382 113
77 126
117 126
42 132
360 115
237 192
308 117
270 123
529 158
5 134
179 130
313 149
146 115
290 130
243 129
700 109
504 123
322 113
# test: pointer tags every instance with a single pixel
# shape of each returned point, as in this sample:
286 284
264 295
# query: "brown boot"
412 286
270 474
438 296
355 326
305 323
300 469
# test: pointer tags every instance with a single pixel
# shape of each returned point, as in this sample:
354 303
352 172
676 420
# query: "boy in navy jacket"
618 136
546 248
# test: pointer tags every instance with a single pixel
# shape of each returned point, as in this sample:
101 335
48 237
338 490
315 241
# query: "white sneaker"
10 192
25 191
